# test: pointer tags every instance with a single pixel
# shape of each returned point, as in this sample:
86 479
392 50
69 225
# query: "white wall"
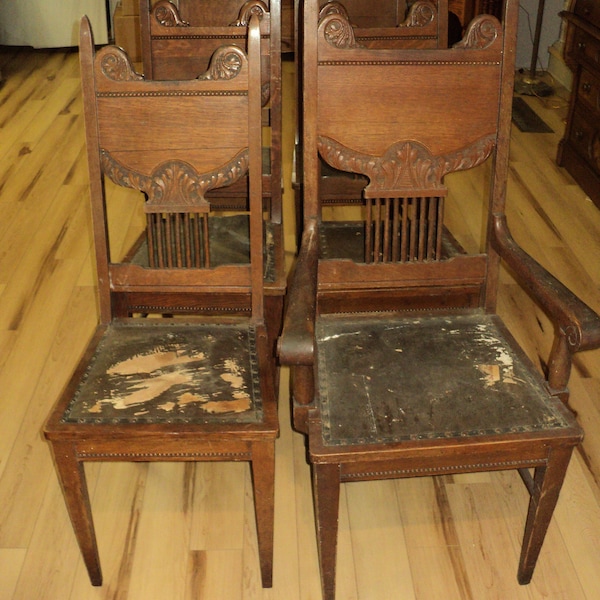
550 32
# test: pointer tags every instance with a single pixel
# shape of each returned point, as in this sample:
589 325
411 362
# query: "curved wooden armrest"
296 343
577 322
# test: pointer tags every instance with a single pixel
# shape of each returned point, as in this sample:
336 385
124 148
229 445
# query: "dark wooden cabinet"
579 150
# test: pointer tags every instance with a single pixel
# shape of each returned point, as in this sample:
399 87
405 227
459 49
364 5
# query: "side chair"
190 387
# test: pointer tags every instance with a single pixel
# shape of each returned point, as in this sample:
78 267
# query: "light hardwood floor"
177 531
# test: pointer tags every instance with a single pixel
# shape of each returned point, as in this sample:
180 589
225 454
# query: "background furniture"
424 26
49 23
579 150
178 40
195 387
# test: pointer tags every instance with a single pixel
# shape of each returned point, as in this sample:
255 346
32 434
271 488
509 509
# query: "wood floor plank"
578 517
377 535
11 560
161 569
217 508
28 464
485 542
437 564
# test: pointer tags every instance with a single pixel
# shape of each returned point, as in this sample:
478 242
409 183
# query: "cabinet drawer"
588 92
585 47
588 9
585 136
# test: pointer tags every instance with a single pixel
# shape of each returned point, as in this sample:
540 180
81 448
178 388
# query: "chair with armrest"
401 366
195 387
178 40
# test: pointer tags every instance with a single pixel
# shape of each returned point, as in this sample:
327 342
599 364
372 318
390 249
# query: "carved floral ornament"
405 166
167 15
421 13
175 185
225 64
115 65
252 7
482 32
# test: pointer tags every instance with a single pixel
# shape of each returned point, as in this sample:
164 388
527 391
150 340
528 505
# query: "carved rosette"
405 166
252 7
338 32
115 65
482 32
167 14
421 13
225 64
175 185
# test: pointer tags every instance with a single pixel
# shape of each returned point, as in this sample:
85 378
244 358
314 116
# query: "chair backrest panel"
376 13
144 122
444 99
209 12
178 39
404 118
175 141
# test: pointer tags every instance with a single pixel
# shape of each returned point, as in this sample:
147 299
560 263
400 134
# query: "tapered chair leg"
326 490
73 482
263 481
547 483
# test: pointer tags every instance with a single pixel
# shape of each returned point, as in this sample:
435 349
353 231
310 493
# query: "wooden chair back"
185 389
175 141
416 115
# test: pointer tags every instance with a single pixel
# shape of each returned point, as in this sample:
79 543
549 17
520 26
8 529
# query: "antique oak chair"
425 25
186 388
400 365
178 40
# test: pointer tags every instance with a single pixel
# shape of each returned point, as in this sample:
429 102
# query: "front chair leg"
263 481
547 482
71 474
326 491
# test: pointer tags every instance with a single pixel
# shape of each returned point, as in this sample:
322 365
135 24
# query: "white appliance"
50 23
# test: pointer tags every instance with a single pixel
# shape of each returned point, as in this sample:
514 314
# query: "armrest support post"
296 343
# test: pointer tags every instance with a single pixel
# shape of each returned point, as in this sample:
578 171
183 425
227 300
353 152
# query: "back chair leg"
72 479
547 482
